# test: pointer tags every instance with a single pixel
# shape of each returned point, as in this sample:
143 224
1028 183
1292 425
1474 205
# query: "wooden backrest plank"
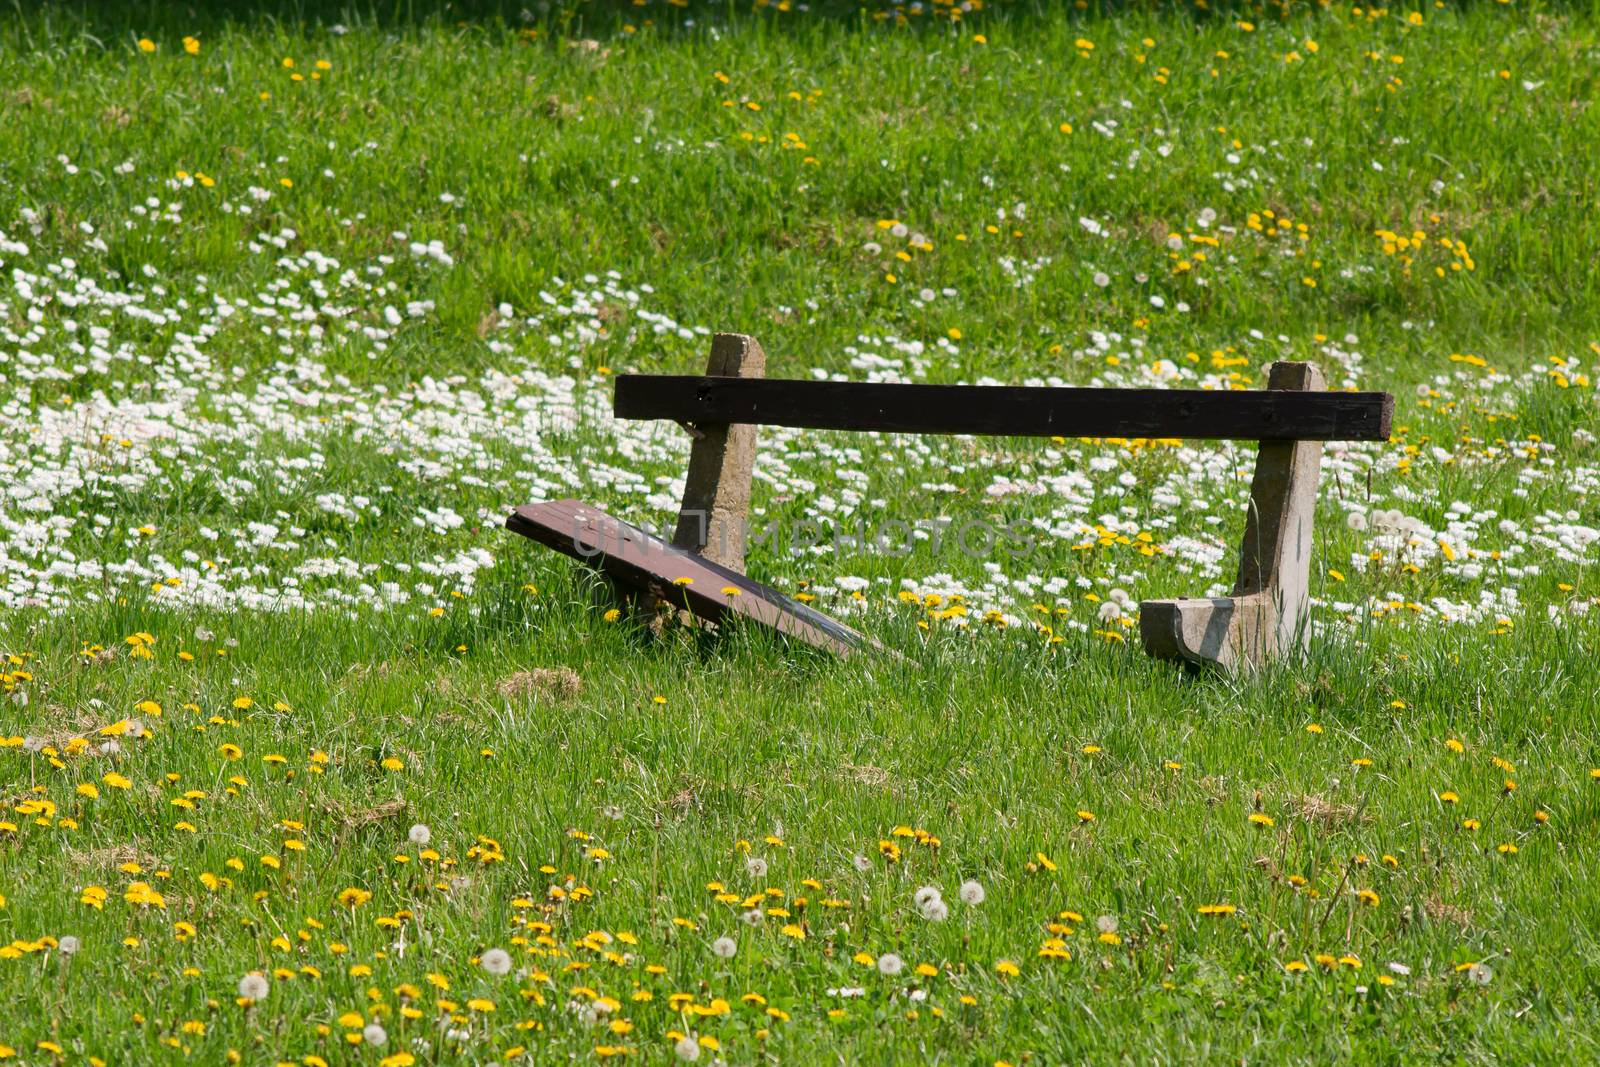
1010 411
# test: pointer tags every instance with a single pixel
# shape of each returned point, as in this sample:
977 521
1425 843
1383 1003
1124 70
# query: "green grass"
247 489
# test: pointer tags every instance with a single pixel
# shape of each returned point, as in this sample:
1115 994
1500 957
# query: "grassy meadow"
305 760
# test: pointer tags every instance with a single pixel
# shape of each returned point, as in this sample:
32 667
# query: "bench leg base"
1227 632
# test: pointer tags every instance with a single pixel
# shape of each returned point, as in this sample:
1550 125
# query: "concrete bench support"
1267 615
716 492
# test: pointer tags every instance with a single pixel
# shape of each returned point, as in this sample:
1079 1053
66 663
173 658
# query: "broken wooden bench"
1291 418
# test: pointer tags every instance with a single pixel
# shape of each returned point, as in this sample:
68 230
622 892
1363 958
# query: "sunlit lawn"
300 744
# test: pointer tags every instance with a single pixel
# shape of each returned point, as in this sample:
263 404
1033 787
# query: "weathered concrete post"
1267 613
716 493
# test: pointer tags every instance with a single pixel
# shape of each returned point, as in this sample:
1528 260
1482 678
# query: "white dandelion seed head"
862 864
1480 973
497 961
972 893
724 948
936 911
1109 610
419 834
254 986
68 945
1399 968
751 917
1106 924
926 895
1101 279
688 1049
111 748
756 867
1356 521
890 965
375 1035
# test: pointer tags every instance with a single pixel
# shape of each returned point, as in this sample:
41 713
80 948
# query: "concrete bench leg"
716 492
1267 614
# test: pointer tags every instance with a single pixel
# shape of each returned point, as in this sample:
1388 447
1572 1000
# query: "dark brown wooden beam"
1009 411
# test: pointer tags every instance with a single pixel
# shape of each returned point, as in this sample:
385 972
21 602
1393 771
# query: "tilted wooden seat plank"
682 579
1265 616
